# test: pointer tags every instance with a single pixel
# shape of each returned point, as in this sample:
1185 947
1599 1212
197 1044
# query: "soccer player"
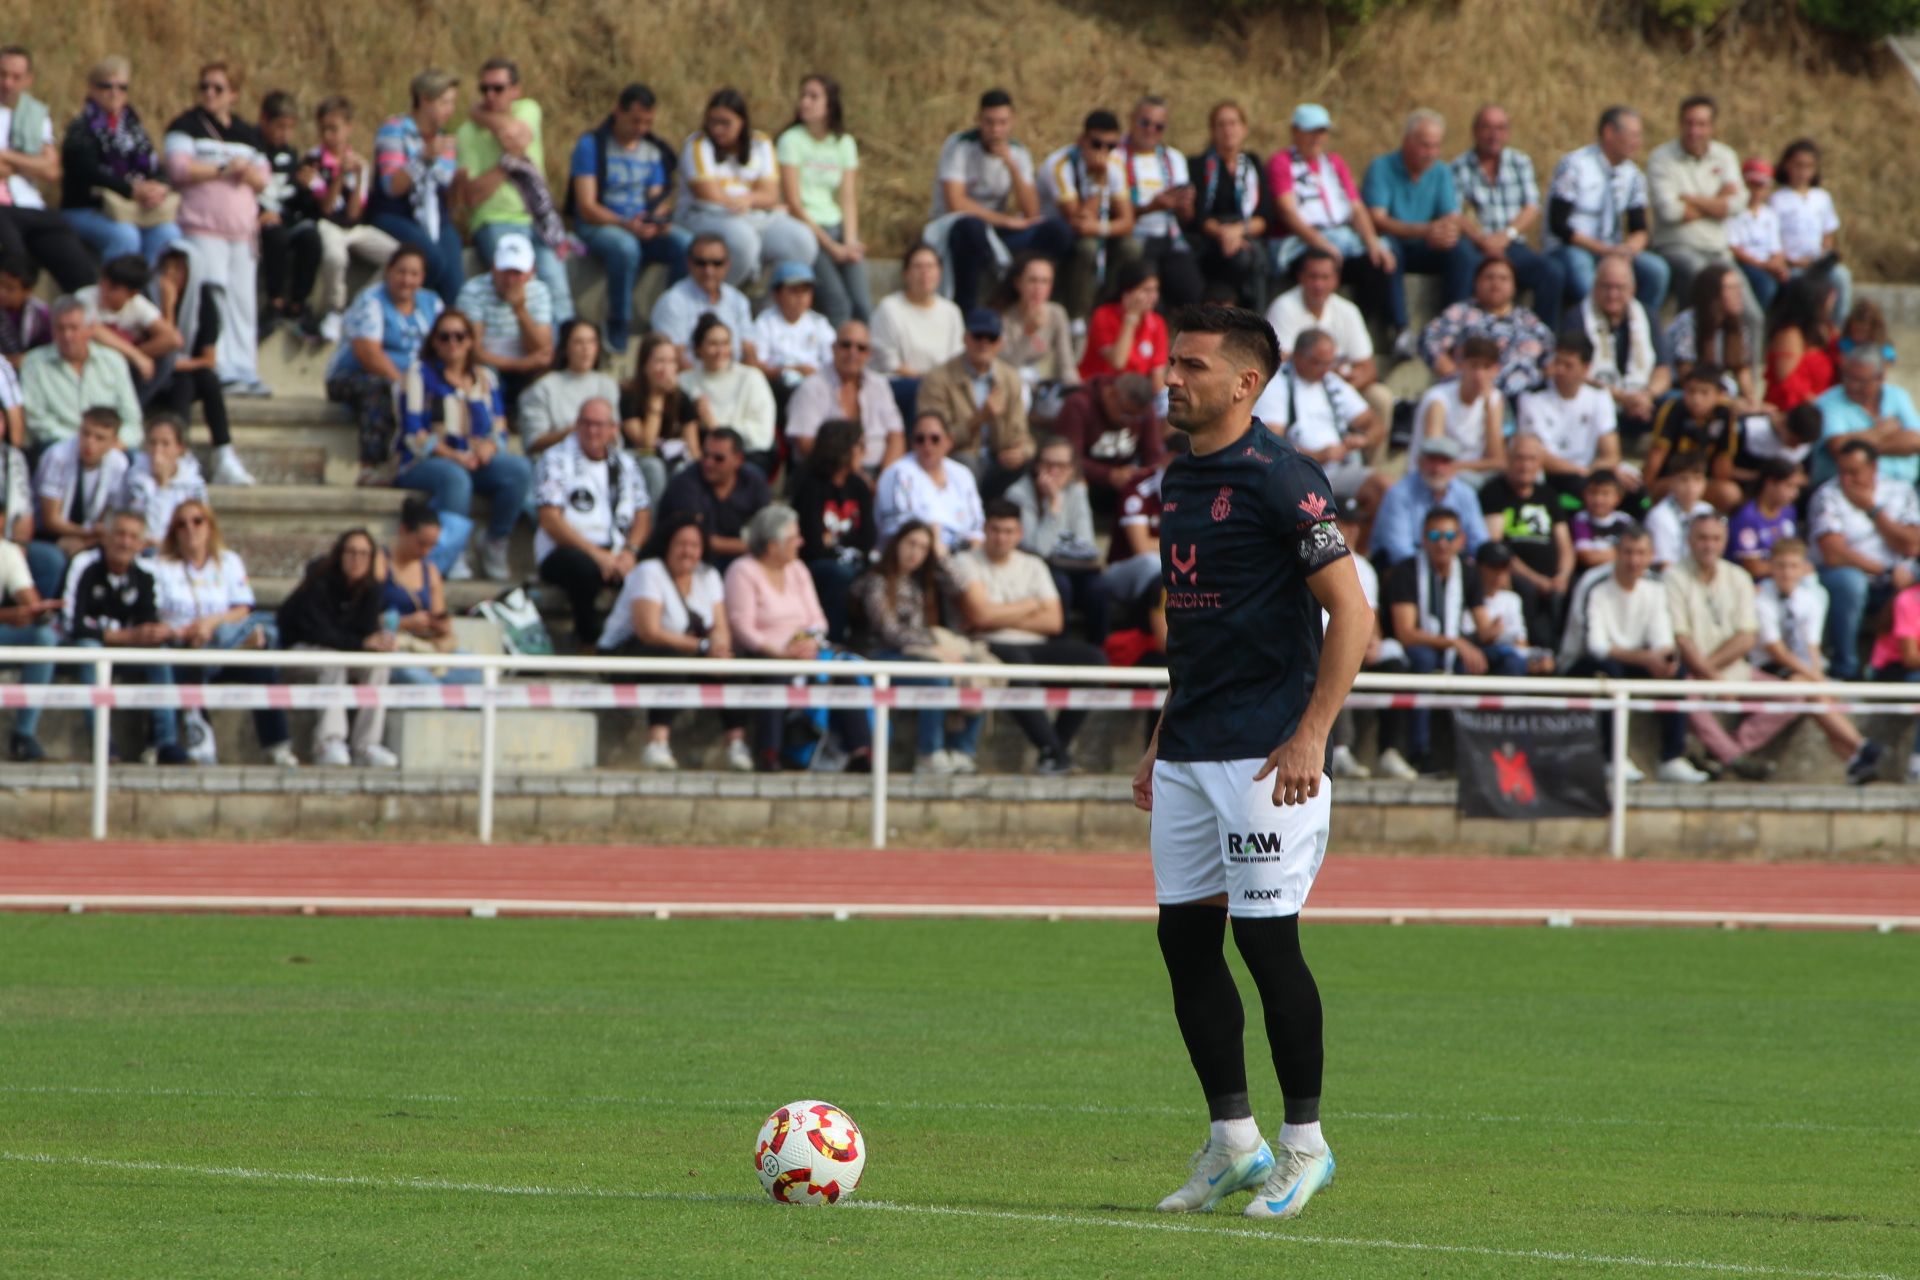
1234 775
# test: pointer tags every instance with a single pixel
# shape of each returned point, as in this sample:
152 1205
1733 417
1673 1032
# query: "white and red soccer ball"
810 1153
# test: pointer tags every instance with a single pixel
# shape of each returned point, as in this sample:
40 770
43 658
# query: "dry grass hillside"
912 69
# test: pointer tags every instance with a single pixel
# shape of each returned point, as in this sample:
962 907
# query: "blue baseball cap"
790 272
983 322
1309 116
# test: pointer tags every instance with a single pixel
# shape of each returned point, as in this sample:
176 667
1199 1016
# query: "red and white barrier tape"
586 696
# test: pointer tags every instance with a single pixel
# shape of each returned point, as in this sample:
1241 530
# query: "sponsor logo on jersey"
1253 842
1190 566
1261 895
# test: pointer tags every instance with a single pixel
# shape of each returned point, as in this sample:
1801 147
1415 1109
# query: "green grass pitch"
210 1096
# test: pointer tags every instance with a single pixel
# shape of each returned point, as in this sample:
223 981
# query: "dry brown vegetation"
912 69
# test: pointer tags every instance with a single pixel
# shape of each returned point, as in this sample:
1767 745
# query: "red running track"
404 876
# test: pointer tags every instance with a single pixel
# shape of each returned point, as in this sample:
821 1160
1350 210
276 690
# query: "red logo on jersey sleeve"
1314 506
1223 505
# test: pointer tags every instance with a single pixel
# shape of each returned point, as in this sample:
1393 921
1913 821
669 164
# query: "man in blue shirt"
1415 204
1434 483
618 187
1864 407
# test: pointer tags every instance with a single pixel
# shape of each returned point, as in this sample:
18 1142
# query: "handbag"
126 209
950 646
522 631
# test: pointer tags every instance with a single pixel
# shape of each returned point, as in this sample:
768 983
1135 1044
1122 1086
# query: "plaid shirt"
1499 201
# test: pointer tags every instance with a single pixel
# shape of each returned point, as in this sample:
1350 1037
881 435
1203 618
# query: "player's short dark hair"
128 271
1100 121
1439 515
1574 343
1002 509
1805 422
1776 469
1603 475
1703 371
995 98
1687 464
1477 346
1245 333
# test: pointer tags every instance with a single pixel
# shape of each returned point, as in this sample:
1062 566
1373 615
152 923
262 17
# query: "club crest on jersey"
1314 507
1223 505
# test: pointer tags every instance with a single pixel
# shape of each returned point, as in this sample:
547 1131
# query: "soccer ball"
810 1153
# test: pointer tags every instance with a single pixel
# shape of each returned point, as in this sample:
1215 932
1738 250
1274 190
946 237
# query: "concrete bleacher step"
278 528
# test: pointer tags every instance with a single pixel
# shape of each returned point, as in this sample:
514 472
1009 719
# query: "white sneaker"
1680 770
1407 345
196 735
1217 1174
1634 773
658 756
1296 1176
333 754
281 755
228 469
937 765
331 327
1913 770
461 571
960 764
493 559
1392 764
376 757
1345 766
739 758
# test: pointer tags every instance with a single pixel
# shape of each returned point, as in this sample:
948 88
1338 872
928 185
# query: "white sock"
1236 1135
1913 763
1303 1137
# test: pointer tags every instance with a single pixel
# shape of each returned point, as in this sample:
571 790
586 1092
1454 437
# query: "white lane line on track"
1276 1236
855 1103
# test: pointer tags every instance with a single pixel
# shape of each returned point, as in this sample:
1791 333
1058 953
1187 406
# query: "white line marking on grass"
1276 1236
1022 1108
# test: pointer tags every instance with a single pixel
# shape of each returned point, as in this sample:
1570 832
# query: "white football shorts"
1216 830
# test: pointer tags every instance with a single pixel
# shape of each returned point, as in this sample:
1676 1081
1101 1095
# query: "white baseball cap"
513 253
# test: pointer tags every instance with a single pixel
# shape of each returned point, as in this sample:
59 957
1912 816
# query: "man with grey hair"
61 381
1710 600
593 516
1319 413
1416 207
1500 198
1597 209
1864 406
112 602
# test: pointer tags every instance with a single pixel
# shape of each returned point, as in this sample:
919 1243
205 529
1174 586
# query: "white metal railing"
1138 688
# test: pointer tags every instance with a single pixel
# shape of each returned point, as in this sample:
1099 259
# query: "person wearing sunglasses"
29 231
500 178
203 593
1084 186
722 492
453 437
848 389
1439 616
161 477
983 399
219 165
1161 192
705 291
924 485
113 185
1434 481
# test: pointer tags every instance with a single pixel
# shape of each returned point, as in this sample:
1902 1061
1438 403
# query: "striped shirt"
1496 201
432 409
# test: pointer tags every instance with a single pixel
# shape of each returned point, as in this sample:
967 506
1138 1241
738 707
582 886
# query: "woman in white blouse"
1808 222
923 486
739 393
202 593
730 187
548 407
916 330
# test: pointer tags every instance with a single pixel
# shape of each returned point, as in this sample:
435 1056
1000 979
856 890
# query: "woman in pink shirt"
775 613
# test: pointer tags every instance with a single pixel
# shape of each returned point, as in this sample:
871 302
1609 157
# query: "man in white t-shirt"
1161 193
1083 185
791 341
985 205
1694 185
1007 598
1320 414
128 321
1686 499
1575 421
1597 209
704 289
1865 531
594 516
1626 631
1315 303
1753 235
76 482
1790 609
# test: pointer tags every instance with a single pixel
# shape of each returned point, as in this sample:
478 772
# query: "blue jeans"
1502 660
1287 250
1650 276
1764 286
1542 274
1851 596
163 725
1416 257
1673 725
48 565
546 264
623 256
972 253
27 720
930 733
424 675
269 723
840 291
450 487
1843 286
112 239
446 270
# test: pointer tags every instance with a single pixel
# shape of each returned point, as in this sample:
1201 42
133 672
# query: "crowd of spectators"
966 469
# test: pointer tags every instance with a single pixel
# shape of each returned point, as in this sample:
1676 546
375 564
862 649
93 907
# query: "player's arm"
1296 764
1143 776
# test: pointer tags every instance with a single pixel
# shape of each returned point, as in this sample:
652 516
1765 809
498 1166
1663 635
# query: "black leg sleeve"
1291 1002
1206 1004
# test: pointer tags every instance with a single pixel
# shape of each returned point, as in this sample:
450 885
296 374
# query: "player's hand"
1295 765
1143 779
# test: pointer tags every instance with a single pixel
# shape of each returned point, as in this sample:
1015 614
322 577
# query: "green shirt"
54 395
476 150
822 162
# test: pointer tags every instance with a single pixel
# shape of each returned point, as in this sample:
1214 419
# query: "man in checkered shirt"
1497 187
